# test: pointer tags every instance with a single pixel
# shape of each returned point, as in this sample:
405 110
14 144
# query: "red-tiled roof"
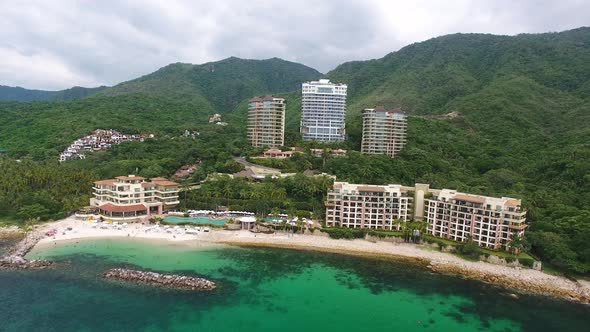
129 178
470 198
512 202
148 184
109 207
371 189
105 182
159 179
166 183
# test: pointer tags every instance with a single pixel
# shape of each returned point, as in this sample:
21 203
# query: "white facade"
132 197
365 206
266 121
384 131
323 111
489 221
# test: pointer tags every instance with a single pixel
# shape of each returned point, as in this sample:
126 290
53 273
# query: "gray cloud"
58 44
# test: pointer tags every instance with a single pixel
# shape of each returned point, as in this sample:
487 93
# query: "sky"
58 44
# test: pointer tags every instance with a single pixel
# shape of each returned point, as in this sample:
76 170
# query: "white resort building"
384 131
132 197
323 111
489 221
366 206
266 121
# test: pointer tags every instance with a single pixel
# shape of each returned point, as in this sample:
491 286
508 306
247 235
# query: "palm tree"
275 212
405 229
300 224
518 244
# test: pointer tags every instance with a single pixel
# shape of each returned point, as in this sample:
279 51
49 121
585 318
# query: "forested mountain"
222 84
8 93
493 115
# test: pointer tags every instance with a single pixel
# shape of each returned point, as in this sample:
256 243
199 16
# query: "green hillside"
222 84
41 130
521 125
18 94
493 115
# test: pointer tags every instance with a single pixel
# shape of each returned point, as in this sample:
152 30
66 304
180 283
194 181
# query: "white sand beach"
515 278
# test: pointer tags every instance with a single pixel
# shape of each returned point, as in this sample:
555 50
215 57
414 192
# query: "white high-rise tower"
323 111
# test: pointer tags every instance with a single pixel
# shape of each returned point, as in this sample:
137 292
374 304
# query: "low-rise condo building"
365 206
275 153
133 197
329 152
489 221
384 131
323 111
266 122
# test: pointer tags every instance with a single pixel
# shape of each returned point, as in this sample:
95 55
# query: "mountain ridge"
20 94
222 84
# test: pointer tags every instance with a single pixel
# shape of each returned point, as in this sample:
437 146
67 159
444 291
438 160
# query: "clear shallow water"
262 290
195 220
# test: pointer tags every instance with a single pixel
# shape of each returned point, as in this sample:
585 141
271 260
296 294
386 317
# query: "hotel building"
489 221
449 214
266 122
365 206
384 131
323 111
131 197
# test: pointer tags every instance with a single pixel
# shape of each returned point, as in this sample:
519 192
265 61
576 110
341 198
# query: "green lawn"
8 221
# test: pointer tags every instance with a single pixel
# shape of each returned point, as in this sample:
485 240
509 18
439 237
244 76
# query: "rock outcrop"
161 280
15 260
552 286
20 263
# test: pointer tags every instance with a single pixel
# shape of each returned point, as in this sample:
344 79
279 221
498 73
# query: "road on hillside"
246 163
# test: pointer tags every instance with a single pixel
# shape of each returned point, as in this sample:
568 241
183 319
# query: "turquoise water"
273 220
195 220
262 290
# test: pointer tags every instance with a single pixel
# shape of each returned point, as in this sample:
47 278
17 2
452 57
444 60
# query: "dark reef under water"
263 290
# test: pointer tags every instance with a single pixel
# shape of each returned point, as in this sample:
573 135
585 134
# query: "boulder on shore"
161 280
20 263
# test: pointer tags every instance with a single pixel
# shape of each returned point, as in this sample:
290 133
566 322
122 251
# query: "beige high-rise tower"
384 131
266 121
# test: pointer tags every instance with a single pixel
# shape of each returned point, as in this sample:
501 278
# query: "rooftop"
122 208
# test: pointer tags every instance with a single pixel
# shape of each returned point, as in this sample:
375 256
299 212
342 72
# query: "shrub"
528 262
470 249
345 233
510 259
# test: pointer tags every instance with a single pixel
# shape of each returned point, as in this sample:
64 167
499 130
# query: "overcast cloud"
61 43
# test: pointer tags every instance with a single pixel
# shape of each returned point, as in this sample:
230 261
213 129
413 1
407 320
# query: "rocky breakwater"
524 280
15 260
161 280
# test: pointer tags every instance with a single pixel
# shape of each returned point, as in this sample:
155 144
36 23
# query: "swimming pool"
195 220
274 221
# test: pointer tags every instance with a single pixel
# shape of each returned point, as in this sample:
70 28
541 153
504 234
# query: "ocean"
262 290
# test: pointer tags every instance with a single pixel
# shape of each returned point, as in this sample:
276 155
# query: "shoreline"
520 279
